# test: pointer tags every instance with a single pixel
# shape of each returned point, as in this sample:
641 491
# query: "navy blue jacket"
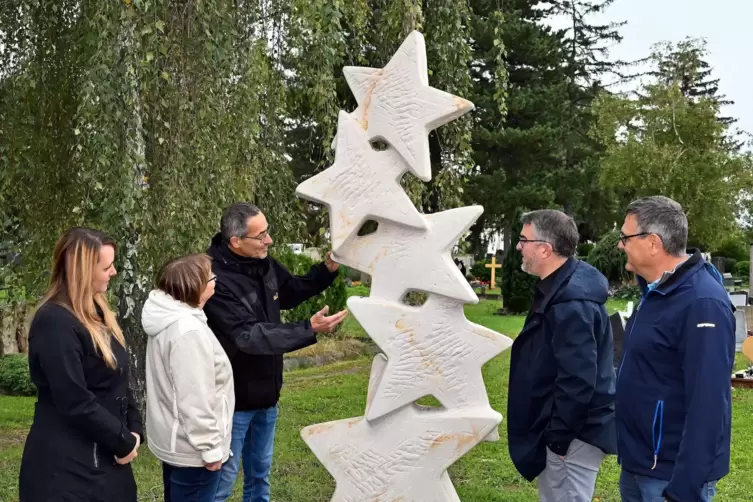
562 379
673 386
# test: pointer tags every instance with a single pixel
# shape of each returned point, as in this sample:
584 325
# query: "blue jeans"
189 484
635 488
252 442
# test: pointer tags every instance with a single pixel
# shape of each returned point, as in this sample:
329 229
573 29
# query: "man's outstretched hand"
320 323
332 265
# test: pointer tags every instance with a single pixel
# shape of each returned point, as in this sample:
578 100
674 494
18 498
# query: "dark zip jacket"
673 387
244 315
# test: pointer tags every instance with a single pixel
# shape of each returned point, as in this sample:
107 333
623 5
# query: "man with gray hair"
673 384
560 408
244 313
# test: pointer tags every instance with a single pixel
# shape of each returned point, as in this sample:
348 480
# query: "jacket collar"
563 275
671 280
221 254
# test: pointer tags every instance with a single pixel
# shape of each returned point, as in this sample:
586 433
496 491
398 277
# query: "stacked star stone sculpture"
399 450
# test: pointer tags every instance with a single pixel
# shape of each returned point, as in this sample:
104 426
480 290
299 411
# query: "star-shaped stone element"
403 456
396 103
431 350
362 184
400 259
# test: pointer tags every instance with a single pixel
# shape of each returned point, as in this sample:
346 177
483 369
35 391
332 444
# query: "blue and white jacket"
673 385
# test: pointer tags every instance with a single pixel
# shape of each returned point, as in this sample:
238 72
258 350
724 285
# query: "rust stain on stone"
366 105
317 429
462 104
461 440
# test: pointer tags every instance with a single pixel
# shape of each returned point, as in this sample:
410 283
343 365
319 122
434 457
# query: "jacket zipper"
656 442
624 356
96 459
630 333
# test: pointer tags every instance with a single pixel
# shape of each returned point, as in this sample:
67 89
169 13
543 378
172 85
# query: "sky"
726 26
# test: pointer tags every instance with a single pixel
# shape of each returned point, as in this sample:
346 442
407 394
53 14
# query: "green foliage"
629 292
667 139
14 376
517 286
335 296
734 246
146 118
742 269
480 272
608 259
534 151
584 248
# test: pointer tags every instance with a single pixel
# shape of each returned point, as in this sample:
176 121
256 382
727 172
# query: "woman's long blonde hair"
74 260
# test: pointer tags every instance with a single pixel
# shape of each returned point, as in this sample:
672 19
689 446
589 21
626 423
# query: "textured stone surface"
362 184
399 451
431 350
400 258
396 103
403 456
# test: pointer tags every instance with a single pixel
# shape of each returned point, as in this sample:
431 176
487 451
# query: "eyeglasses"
213 278
523 240
624 238
261 236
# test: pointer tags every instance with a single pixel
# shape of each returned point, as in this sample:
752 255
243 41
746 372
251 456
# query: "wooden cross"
493 265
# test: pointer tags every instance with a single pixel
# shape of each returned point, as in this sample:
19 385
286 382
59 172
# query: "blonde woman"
189 382
86 428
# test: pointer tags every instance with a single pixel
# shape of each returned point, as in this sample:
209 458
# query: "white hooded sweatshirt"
189 385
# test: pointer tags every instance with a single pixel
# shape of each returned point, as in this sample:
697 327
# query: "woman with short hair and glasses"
189 382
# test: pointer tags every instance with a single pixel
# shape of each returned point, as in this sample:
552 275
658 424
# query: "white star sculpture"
403 457
431 350
362 183
400 259
396 103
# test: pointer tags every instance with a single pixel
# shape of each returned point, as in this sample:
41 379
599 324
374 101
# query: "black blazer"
83 418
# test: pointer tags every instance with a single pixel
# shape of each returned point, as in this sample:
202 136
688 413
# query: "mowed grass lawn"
339 391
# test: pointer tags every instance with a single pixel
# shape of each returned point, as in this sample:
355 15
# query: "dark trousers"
189 484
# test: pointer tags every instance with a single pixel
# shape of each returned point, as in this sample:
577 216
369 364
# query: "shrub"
584 248
608 259
729 264
335 296
480 272
742 269
628 292
517 286
14 376
735 247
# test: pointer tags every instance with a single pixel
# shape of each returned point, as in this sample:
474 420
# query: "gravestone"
728 280
398 450
618 320
718 262
618 337
740 301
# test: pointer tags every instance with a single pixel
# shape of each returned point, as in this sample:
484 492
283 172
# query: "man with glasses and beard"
560 413
244 314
